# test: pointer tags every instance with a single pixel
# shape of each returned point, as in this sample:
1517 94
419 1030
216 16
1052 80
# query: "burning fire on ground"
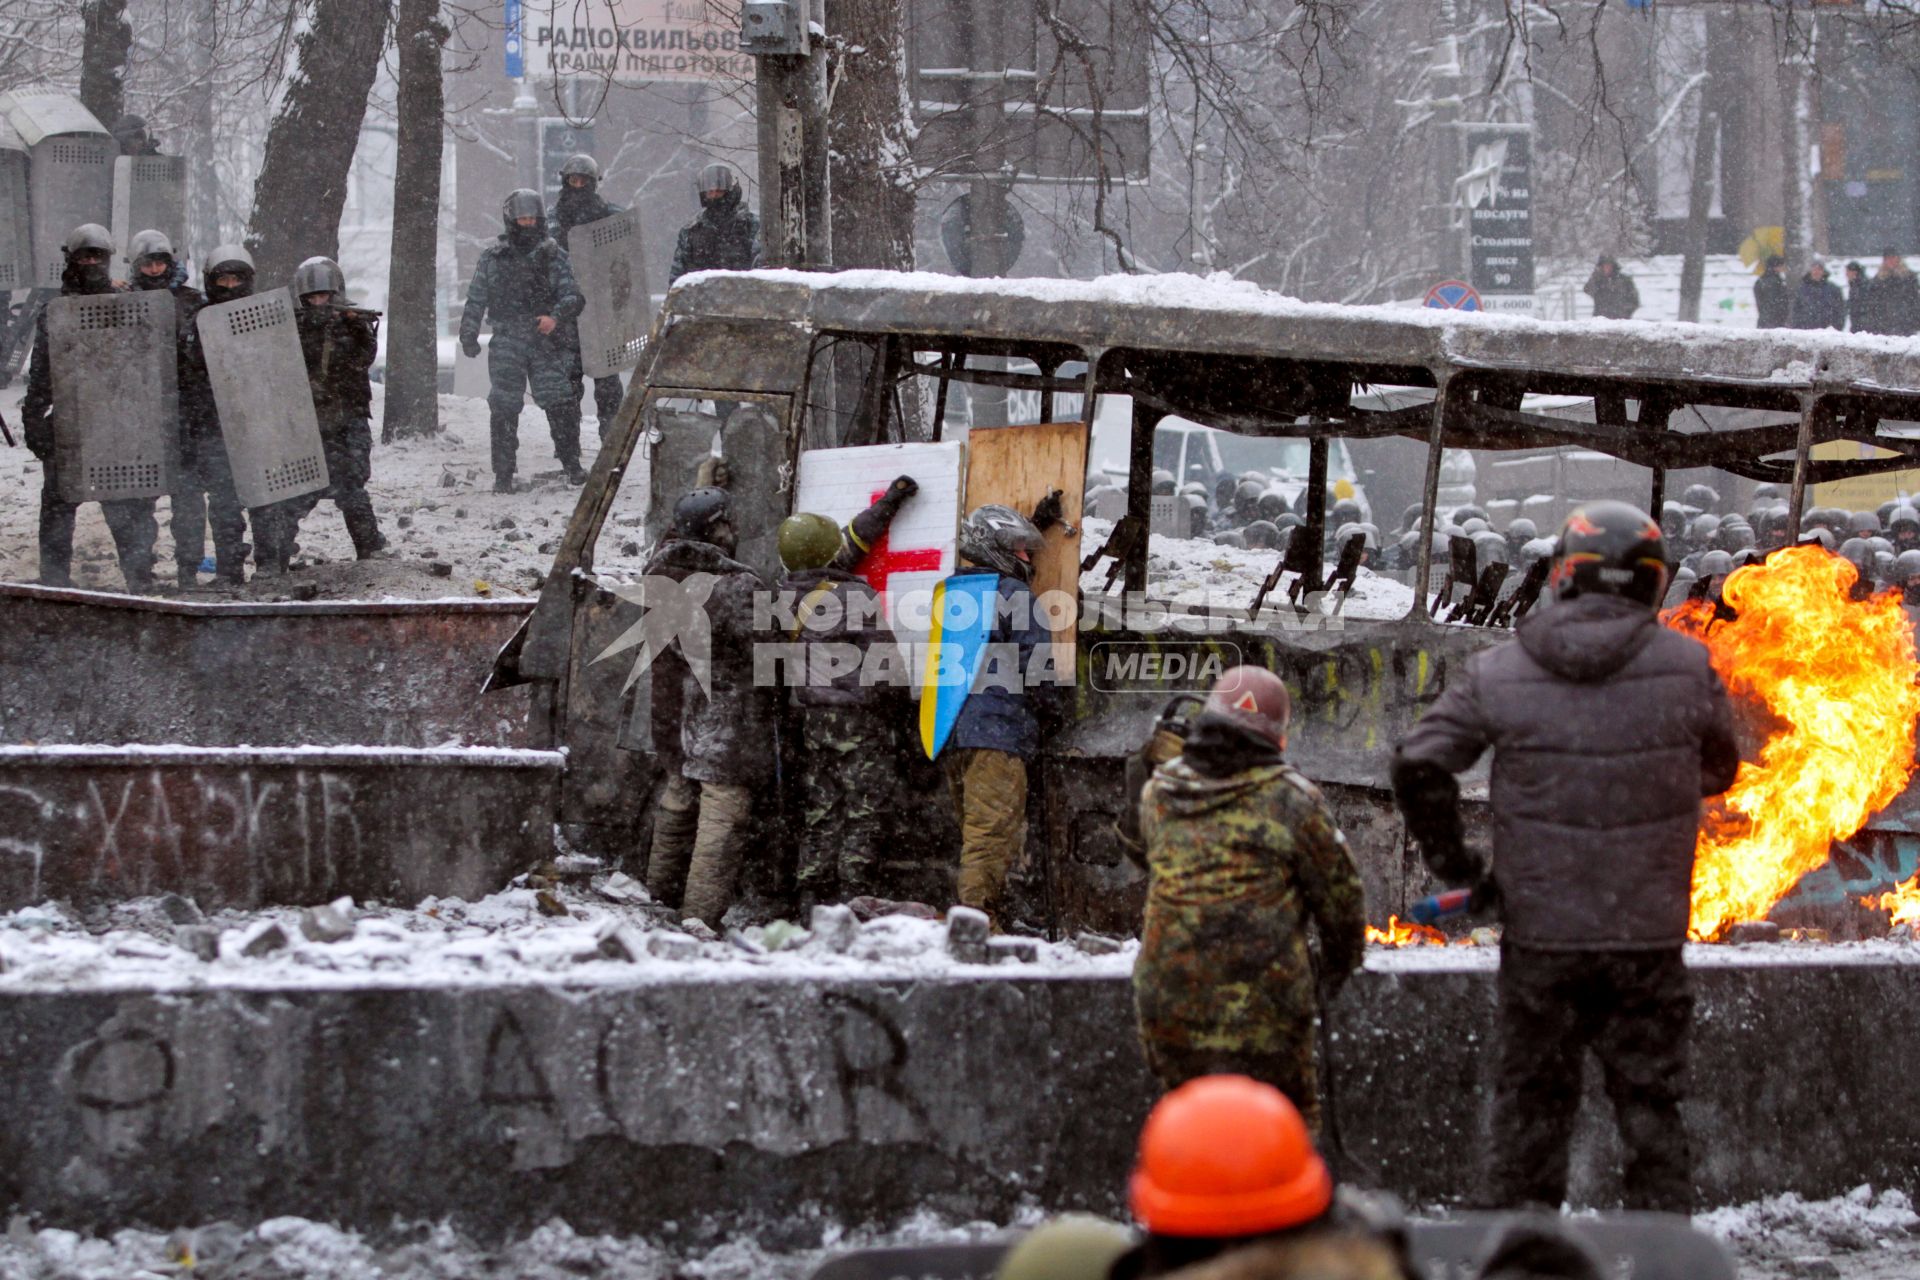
1835 677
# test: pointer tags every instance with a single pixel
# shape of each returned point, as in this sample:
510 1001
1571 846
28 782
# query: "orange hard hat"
1256 698
1226 1156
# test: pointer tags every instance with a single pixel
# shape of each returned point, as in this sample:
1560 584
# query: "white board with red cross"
922 545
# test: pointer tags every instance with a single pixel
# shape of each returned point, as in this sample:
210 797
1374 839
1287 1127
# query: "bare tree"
103 61
302 185
412 407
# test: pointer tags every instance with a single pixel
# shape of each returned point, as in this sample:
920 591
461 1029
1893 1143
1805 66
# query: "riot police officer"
339 343
88 252
525 282
724 237
203 486
580 202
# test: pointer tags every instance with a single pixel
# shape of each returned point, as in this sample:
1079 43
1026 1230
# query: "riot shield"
266 404
116 408
16 242
612 274
72 170
150 194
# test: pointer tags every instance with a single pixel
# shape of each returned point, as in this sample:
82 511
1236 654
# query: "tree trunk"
1693 263
303 177
413 364
870 171
108 38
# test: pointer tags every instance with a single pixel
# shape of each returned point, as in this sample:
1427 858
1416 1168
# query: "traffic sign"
516 66
1453 295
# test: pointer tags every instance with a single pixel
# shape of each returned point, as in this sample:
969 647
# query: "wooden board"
1020 465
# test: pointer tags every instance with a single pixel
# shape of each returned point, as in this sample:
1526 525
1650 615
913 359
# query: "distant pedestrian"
1614 294
1770 296
1818 302
1859 299
1896 297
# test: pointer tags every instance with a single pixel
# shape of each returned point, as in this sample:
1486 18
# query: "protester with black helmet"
1607 729
713 727
725 237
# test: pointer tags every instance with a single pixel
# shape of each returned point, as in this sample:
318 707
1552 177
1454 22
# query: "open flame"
1902 905
1835 676
1404 933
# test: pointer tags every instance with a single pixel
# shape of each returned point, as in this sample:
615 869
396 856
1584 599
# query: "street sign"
1500 210
634 41
512 44
1453 295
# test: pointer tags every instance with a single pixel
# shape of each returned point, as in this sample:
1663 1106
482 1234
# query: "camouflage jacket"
1240 865
514 287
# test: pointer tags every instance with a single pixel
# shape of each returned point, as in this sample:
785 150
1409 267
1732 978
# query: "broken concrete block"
200 940
265 941
1754 931
834 928
1096 944
440 569
621 887
326 924
180 910
668 945
1817 1267
1012 951
698 929
968 932
617 941
867 907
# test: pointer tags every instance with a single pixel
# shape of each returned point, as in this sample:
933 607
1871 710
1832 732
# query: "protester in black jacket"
1770 296
1615 297
1859 299
1607 729
1818 302
1896 297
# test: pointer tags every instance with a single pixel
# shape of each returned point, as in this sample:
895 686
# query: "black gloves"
1048 512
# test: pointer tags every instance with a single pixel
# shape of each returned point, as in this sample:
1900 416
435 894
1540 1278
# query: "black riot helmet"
1610 548
319 275
89 252
519 204
718 188
580 165
699 515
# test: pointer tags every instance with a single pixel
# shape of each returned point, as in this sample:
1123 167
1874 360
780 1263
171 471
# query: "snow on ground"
1201 573
441 487
535 931
1861 1236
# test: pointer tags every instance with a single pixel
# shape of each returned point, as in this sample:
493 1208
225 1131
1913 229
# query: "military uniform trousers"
203 495
518 357
1635 1010
129 520
989 790
700 832
847 780
349 450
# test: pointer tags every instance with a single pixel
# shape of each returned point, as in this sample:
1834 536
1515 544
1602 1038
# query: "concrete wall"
697 1109
244 828
76 666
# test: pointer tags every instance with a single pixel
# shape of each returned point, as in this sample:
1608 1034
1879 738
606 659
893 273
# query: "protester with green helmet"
846 771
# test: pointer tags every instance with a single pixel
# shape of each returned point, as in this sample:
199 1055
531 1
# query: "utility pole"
790 100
